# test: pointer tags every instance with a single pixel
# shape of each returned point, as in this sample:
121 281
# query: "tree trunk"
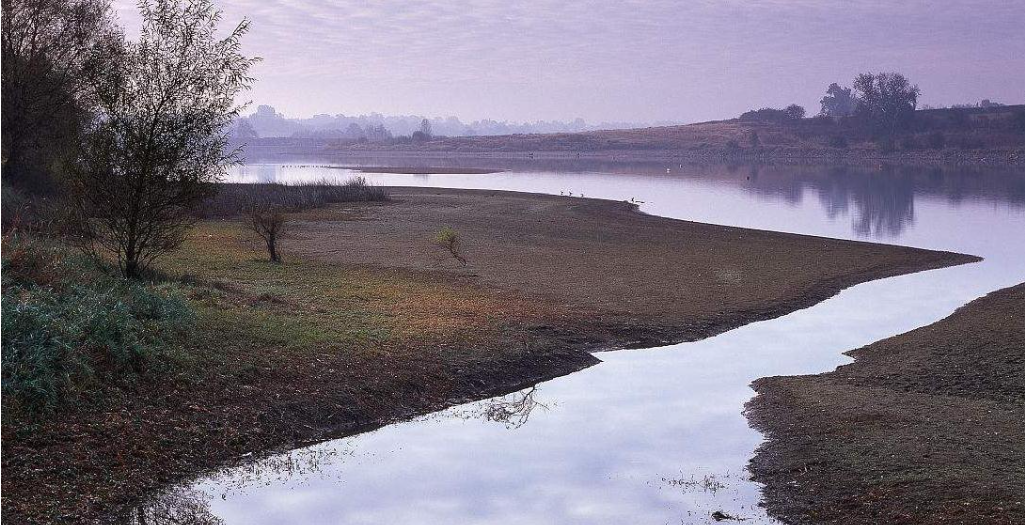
272 249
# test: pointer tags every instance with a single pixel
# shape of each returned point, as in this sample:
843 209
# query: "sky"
608 61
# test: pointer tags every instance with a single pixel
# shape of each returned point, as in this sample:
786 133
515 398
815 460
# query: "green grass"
71 330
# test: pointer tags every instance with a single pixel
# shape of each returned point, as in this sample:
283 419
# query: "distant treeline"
375 127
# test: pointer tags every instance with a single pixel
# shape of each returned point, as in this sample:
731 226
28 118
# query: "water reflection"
884 201
512 411
175 506
656 435
876 202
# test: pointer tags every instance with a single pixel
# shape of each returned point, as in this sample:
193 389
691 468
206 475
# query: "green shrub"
70 337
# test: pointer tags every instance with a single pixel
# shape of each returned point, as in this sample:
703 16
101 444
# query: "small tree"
838 102
160 139
268 221
448 239
794 112
425 128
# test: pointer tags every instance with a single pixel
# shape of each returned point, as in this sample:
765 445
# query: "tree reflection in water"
183 505
513 410
884 200
175 506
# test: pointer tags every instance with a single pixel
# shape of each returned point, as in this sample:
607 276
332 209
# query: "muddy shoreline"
924 427
549 281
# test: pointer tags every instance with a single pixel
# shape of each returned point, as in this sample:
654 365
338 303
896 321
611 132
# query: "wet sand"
924 427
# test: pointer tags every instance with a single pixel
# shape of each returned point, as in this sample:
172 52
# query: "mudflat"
368 321
924 427
632 278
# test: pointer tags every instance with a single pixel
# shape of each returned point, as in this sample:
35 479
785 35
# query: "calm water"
647 436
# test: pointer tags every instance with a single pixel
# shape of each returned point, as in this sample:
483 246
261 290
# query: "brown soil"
368 322
644 280
925 427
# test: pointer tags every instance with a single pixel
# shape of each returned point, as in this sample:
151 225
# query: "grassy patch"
72 331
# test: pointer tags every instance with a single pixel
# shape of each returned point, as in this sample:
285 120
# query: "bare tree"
159 142
268 221
52 50
425 128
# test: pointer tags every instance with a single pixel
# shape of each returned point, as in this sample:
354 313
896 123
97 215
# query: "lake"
647 436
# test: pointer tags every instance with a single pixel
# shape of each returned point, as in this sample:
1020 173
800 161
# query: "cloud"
626 60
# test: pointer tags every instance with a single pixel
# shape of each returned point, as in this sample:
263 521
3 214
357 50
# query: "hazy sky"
617 60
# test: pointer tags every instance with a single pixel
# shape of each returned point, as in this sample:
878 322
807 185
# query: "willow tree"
160 141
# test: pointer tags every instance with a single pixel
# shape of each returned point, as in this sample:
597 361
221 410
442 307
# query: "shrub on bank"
70 330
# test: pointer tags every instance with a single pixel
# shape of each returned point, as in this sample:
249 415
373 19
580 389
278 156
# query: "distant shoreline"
983 137
409 170
974 158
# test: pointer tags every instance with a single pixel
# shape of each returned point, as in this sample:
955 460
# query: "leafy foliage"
838 102
68 328
161 137
886 101
52 51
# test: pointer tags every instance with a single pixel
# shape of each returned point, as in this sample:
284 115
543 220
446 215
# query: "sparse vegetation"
450 240
268 222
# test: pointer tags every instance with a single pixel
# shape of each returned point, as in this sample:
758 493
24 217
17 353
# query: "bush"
72 332
908 143
732 145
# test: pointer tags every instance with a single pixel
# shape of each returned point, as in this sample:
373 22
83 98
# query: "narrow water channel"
647 436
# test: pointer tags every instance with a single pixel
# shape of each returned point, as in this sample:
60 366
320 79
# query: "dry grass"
232 200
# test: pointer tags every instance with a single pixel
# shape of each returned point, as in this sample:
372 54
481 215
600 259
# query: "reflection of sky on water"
633 438
869 203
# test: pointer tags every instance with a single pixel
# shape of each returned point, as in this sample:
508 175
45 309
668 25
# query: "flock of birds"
565 193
